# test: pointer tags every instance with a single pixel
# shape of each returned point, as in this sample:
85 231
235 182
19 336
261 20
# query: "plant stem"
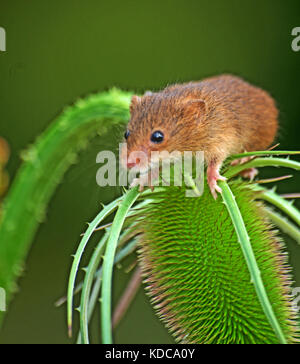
120 255
123 253
127 296
108 262
92 226
264 153
284 225
255 274
86 289
276 200
262 162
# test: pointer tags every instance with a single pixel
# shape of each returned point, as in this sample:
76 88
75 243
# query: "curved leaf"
44 166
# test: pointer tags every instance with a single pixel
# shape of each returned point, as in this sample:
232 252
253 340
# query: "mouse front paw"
213 176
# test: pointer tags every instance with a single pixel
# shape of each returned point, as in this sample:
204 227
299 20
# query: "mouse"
221 116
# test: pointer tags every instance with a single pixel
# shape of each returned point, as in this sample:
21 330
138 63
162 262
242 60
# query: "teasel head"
195 272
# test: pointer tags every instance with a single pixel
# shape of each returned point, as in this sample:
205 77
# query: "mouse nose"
132 163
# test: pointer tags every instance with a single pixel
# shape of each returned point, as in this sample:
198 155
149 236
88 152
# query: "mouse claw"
213 176
214 188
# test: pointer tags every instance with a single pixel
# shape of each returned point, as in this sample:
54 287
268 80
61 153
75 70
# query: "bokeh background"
60 50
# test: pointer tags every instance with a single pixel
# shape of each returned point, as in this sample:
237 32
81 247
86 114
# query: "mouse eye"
157 137
127 133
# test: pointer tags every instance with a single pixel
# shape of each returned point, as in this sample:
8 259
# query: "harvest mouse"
221 116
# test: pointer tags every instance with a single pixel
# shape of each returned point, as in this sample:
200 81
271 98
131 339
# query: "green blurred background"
58 51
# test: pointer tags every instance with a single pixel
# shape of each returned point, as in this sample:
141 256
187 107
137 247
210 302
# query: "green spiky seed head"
196 274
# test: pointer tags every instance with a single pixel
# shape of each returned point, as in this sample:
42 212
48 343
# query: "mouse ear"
135 100
195 108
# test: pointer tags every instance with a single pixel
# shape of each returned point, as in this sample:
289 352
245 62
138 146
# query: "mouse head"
162 122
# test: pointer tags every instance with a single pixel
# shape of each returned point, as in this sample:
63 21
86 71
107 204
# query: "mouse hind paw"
249 173
213 176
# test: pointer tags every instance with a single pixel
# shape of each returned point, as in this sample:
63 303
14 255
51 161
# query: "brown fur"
221 116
